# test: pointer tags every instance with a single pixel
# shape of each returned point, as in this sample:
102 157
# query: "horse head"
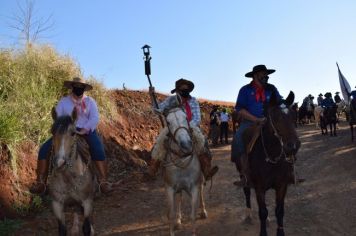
63 137
280 121
177 123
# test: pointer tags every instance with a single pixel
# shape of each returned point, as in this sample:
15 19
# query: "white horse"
318 111
181 169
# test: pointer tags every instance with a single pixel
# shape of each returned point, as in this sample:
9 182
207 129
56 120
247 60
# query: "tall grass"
31 83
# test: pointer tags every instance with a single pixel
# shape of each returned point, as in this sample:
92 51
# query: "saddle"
250 136
83 149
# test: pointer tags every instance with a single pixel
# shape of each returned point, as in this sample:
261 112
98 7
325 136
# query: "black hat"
337 92
320 95
181 82
259 68
328 94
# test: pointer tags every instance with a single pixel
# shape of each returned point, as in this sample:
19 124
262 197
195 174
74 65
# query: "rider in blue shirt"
249 105
328 101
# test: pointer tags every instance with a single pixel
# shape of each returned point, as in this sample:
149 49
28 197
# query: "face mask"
264 80
78 91
185 93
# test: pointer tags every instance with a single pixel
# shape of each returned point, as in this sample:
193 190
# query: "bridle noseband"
172 138
282 153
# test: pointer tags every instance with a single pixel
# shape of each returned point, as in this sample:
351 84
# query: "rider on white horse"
191 106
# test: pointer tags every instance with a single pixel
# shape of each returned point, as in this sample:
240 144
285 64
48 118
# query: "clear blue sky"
213 43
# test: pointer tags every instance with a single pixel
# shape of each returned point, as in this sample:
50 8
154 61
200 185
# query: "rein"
268 158
181 156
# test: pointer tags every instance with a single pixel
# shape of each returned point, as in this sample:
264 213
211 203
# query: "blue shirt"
353 94
327 102
247 99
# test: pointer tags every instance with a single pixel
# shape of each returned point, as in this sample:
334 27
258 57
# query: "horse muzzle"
291 148
186 146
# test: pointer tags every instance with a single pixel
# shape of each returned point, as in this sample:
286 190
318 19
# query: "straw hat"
181 82
79 81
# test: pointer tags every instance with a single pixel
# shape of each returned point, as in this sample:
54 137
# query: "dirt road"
324 205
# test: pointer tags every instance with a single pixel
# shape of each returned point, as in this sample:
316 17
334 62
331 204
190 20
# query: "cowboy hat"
259 68
320 95
181 82
77 80
337 92
328 94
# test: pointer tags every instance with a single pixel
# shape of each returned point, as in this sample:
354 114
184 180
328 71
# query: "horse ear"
54 113
290 99
74 115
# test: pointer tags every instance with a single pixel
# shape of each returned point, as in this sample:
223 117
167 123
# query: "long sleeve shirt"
87 111
195 109
247 99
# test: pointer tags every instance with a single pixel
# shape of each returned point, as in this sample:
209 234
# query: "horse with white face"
181 169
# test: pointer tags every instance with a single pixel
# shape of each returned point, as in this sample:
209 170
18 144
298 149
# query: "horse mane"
61 124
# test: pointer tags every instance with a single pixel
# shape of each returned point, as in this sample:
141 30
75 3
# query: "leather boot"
205 163
154 167
40 186
104 186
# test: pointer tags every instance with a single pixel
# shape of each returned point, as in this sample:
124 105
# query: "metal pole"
147 58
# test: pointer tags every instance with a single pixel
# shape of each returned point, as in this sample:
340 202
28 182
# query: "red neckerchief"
79 104
188 110
260 92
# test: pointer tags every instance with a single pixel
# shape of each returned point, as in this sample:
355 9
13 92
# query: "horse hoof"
203 215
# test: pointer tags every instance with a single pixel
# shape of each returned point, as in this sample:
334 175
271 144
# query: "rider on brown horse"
250 105
88 119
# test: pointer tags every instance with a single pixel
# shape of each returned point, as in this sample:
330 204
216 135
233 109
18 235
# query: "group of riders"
249 105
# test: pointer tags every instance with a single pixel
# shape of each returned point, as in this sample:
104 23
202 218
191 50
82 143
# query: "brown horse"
329 117
351 117
73 177
271 160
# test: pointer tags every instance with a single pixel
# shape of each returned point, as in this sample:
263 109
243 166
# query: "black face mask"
78 91
264 80
185 93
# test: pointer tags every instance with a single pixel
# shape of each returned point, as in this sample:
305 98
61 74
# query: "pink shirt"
87 111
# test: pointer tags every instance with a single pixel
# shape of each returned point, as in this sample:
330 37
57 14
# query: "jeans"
239 142
96 147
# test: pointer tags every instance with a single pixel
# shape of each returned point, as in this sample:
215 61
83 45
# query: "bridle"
282 153
181 155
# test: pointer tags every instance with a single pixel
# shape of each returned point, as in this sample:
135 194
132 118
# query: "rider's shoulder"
271 87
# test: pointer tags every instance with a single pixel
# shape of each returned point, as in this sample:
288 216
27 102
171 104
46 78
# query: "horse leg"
171 205
248 212
58 210
203 213
88 209
262 210
352 132
194 203
178 219
279 211
335 129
